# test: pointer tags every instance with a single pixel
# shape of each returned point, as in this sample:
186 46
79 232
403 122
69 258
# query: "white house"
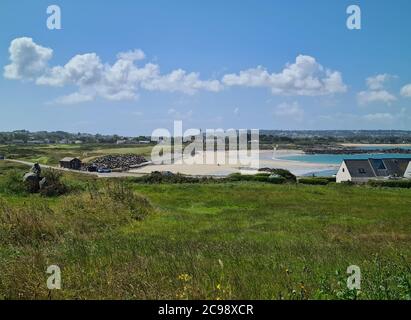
360 171
407 173
343 175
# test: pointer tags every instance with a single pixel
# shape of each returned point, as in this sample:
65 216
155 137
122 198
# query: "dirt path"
99 175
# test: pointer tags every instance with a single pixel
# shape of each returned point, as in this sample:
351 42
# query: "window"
343 170
361 170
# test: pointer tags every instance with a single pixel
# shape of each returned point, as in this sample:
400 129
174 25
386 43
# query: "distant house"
17 141
35 142
407 173
361 171
70 163
1 157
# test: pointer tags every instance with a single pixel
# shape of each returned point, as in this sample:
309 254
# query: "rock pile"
124 162
33 179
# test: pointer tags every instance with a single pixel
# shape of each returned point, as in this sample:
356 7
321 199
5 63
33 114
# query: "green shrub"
314 181
234 177
277 180
390 183
259 177
260 174
162 177
53 185
12 183
348 183
120 192
287 175
31 224
244 177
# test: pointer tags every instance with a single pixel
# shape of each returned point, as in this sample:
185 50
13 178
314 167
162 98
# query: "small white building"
363 170
343 175
359 171
407 173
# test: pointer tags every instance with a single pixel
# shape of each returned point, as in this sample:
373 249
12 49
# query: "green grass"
232 240
51 154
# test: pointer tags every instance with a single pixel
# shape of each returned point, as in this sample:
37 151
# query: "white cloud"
366 97
124 79
377 82
28 59
236 111
305 77
406 90
74 98
81 70
376 92
289 110
180 80
120 81
379 117
132 55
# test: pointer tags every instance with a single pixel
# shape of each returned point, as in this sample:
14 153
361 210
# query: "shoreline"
267 159
397 145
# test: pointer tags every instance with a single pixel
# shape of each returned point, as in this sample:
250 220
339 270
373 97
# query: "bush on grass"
168 177
287 175
53 185
260 177
390 183
12 183
120 193
314 181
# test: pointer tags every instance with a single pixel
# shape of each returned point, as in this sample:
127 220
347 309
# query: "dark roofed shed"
70 163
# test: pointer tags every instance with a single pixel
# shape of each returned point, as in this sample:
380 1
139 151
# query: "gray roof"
372 168
397 167
360 168
68 159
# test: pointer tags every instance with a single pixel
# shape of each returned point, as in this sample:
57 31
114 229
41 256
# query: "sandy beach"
267 159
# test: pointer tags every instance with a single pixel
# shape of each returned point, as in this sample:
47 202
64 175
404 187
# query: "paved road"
99 175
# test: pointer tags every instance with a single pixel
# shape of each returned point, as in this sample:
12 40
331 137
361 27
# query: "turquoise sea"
338 158
381 147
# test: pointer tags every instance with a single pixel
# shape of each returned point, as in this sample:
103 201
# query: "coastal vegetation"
50 154
121 238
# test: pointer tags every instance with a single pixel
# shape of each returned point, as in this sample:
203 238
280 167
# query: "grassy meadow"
119 239
51 154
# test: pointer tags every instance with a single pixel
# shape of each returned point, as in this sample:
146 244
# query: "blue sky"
132 66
